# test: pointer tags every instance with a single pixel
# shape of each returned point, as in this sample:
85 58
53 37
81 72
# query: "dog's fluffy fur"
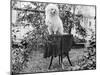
53 20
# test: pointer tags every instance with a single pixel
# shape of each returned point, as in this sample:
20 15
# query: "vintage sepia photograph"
52 37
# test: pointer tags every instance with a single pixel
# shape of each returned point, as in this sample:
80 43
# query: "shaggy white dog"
52 20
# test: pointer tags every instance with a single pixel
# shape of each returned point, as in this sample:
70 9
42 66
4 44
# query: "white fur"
53 21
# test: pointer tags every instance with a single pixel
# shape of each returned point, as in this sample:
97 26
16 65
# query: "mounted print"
52 37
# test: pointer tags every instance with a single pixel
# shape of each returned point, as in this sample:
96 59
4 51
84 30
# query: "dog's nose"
53 11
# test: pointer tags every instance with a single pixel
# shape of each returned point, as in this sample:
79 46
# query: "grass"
39 64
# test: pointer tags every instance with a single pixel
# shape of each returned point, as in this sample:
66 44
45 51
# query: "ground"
39 64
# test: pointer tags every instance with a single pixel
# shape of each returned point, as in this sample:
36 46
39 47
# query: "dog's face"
52 10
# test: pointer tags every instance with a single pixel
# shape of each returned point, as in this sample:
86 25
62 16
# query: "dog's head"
52 10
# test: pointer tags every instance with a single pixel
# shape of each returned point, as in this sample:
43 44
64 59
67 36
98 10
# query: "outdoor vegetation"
29 34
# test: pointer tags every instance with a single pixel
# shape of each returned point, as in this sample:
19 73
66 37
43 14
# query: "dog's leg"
50 62
69 59
49 30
